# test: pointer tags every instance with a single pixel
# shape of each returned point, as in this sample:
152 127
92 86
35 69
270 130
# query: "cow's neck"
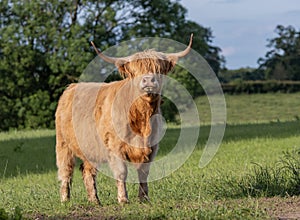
141 111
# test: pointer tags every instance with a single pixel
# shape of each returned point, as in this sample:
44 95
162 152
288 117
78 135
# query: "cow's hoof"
64 199
95 201
123 201
144 199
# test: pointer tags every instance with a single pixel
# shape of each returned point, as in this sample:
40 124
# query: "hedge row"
251 87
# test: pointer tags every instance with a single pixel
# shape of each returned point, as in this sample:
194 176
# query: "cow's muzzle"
149 83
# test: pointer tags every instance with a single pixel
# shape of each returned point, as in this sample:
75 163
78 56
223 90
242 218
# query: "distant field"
262 130
255 108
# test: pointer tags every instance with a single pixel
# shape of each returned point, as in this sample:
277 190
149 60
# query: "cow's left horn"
108 59
181 53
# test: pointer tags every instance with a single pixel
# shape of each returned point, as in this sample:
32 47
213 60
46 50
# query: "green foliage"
44 46
40 53
267 86
242 74
189 82
168 19
169 110
282 62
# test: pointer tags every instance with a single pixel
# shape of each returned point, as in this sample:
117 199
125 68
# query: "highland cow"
111 122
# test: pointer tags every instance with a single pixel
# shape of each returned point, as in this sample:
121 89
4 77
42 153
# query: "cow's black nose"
149 83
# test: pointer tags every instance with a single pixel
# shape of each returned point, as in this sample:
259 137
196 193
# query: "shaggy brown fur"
99 122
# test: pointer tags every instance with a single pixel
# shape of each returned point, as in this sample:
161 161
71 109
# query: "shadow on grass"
21 156
27 155
265 130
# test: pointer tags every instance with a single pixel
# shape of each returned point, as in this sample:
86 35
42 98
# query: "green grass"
27 151
249 151
255 108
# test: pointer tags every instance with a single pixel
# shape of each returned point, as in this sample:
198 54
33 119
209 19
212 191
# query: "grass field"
254 175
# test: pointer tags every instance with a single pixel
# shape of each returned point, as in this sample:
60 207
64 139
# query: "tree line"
278 71
281 62
44 46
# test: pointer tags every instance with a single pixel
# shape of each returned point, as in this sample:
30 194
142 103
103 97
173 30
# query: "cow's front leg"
119 170
143 172
122 192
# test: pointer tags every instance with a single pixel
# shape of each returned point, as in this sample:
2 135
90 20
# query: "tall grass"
279 179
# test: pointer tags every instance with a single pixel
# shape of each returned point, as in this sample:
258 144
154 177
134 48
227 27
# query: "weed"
264 181
281 179
17 214
290 163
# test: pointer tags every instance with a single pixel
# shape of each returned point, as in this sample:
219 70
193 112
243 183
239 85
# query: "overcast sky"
241 27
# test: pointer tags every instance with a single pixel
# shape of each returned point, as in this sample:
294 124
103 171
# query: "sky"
241 27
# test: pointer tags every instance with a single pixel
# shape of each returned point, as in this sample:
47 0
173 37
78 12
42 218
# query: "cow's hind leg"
143 172
89 174
65 162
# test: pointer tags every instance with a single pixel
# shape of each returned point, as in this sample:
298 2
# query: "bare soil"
282 208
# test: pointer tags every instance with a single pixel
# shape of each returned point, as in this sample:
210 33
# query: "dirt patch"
281 208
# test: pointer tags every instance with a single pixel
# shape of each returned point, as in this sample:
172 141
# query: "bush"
251 87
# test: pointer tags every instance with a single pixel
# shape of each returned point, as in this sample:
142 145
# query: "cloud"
225 1
228 51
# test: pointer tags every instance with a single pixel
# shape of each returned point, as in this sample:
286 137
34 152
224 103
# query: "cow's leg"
65 162
89 174
119 170
143 172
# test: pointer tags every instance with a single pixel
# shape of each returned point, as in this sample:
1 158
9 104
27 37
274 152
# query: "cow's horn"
181 53
108 59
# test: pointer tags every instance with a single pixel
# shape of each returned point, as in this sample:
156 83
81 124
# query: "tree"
157 18
282 62
44 46
41 51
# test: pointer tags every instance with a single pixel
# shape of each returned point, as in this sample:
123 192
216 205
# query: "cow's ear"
123 70
171 64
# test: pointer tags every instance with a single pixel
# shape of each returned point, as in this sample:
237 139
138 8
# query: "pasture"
254 175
